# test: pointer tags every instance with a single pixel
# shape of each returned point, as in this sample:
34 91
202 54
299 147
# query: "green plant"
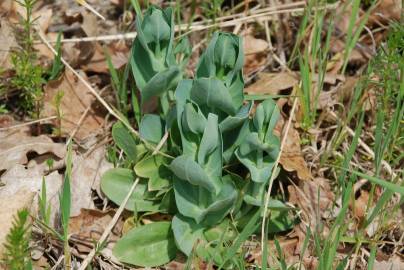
65 205
17 252
56 102
57 65
28 75
193 176
44 206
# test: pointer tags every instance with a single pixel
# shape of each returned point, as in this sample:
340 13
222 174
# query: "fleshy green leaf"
161 82
202 205
211 92
125 140
186 233
155 170
147 246
116 183
186 169
151 128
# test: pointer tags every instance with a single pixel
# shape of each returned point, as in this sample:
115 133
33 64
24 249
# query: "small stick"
271 180
90 8
28 123
264 16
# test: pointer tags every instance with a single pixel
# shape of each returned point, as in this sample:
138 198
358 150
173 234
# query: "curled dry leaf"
312 197
288 246
272 83
14 148
76 99
98 63
360 205
387 10
291 157
18 178
86 174
255 53
88 227
394 263
8 42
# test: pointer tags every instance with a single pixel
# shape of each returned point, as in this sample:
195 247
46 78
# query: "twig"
90 8
28 123
271 180
200 26
59 261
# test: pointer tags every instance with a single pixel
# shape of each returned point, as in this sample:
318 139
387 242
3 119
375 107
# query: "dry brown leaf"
89 226
175 266
77 98
8 42
87 172
255 53
291 157
272 83
387 10
79 53
98 63
288 246
254 45
394 263
15 146
44 18
43 51
18 178
360 205
312 197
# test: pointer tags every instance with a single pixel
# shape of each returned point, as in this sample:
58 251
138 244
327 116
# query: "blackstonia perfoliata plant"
217 162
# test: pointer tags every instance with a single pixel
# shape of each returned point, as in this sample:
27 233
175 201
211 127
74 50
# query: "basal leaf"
154 169
116 183
186 169
125 140
187 233
161 82
211 92
147 246
151 128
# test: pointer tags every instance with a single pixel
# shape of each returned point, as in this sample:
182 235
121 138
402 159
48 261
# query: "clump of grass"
17 252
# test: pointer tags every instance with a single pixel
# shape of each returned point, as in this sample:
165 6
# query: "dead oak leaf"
272 83
76 99
15 146
86 174
255 53
291 157
8 42
98 63
88 228
19 178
